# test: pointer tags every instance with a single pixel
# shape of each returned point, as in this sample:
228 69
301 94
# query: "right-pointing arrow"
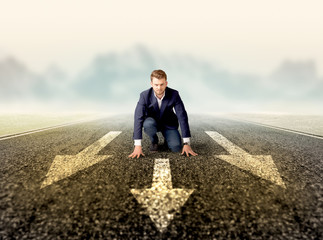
260 165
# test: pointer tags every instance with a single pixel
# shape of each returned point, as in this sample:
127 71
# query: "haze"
259 39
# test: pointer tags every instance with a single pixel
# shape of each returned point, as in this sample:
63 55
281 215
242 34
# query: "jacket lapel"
164 103
153 102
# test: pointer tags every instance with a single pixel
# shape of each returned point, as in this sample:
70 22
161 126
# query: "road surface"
76 182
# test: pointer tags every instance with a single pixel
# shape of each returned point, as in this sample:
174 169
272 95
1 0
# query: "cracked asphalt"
96 203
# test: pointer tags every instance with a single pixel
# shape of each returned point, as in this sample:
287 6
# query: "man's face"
159 86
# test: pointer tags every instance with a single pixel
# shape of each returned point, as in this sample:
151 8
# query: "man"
160 109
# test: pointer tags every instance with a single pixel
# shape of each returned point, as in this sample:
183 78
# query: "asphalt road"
97 203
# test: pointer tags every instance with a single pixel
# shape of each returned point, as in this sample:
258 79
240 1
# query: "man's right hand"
136 152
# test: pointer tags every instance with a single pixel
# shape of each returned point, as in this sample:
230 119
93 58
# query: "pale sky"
250 36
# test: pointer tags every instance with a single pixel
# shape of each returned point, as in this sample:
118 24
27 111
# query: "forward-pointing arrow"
162 201
66 165
260 165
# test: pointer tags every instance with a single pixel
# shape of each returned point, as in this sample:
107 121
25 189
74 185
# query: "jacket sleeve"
182 116
140 113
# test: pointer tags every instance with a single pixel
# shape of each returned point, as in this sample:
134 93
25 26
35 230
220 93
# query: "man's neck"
159 96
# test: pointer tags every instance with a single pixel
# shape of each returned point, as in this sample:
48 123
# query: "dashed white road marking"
162 201
260 165
66 165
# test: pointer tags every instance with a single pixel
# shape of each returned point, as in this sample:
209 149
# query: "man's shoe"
154 147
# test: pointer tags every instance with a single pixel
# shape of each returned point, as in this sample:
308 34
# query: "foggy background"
233 56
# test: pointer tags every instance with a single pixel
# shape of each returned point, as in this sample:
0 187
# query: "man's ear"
151 83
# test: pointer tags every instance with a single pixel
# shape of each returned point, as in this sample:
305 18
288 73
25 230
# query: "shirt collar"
161 98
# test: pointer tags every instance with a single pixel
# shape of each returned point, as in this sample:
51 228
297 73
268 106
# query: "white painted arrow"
260 165
162 201
66 165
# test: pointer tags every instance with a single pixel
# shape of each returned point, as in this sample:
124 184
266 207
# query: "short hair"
159 74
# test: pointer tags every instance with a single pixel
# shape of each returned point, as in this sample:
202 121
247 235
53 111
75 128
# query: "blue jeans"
172 136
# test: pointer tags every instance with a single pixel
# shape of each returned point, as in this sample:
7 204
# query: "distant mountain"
15 79
115 76
113 81
120 77
53 84
18 83
294 79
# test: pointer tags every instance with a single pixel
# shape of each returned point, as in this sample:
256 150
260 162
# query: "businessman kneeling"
160 109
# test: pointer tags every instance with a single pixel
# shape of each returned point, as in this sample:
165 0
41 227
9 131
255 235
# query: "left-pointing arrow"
66 165
162 201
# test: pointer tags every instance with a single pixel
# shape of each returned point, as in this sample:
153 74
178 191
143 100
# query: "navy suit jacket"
165 117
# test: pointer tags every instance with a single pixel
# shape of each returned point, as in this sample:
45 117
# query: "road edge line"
280 128
9 136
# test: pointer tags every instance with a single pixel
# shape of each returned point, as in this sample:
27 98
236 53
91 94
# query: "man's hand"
188 150
136 152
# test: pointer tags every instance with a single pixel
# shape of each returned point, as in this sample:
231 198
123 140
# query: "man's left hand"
188 150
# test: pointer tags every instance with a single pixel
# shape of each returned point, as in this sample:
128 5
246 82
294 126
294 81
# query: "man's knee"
174 144
175 147
150 123
173 140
